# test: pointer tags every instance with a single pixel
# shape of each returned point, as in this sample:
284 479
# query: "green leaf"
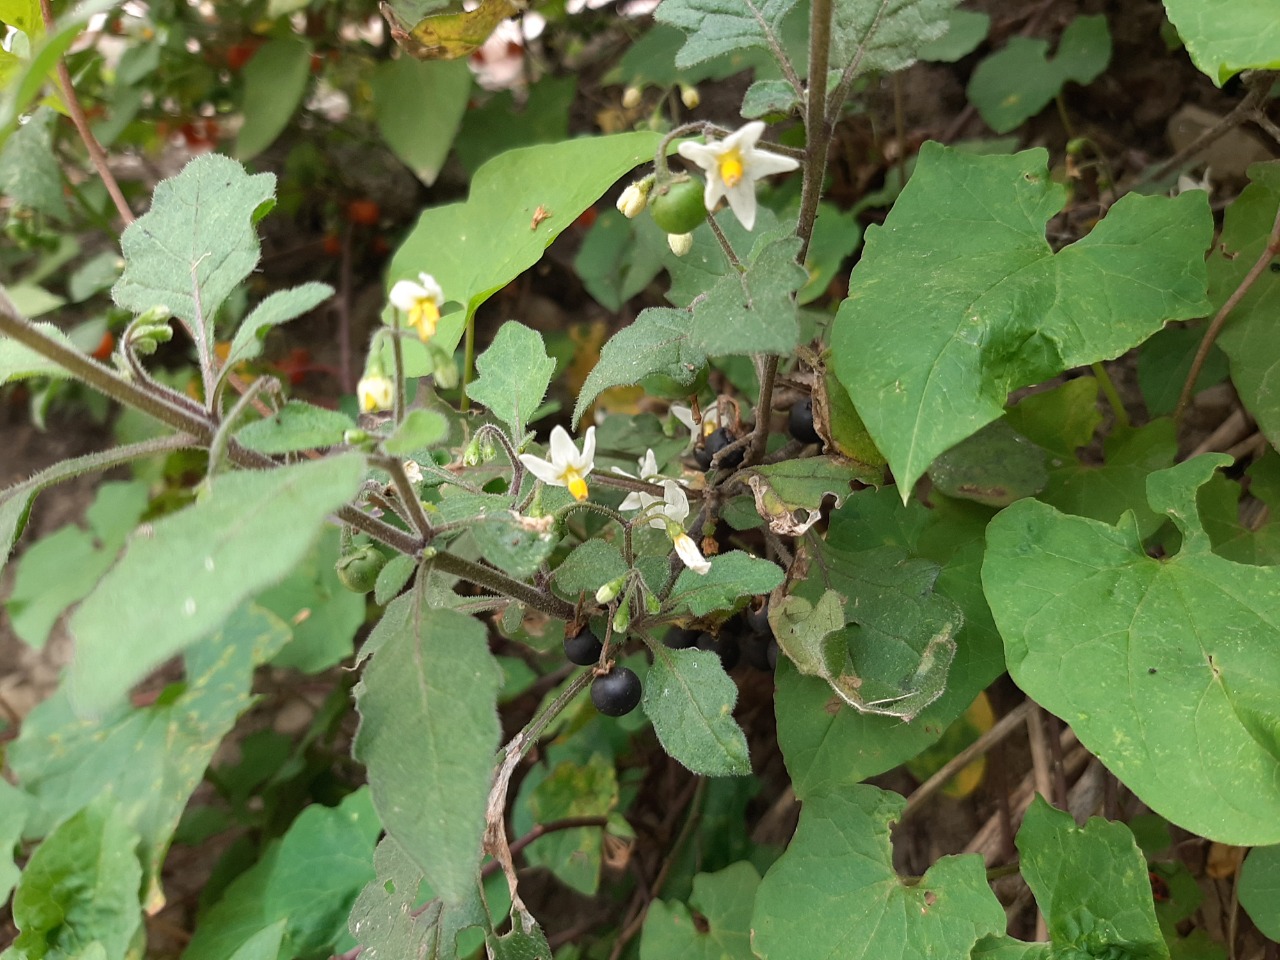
1091 884
30 175
782 489
428 730
995 466
1229 36
385 919
1016 83
513 376
1150 660
263 945
274 82
148 760
589 567
280 307
296 426
834 892
573 789
733 575
724 899
323 613
19 362
966 29
196 244
1164 361
519 945
836 234
1254 356
65 566
80 886
657 341
689 699
185 574
514 543
400 88
309 879
1000 310
491 242
611 264
502 124
883 36
419 430
15 807
1259 889
716 27
755 311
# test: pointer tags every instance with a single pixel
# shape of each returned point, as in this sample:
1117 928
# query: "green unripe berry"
677 205
359 569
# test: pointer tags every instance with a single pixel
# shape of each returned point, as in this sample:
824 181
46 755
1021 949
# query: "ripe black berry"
800 421
755 650
617 692
678 638
726 647
758 619
713 444
583 649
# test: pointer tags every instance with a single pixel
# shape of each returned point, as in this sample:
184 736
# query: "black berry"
713 444
726 647
583 649
678 638
800 421
755 650
758 619
617 692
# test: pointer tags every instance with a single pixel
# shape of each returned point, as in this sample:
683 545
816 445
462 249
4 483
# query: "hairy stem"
499 582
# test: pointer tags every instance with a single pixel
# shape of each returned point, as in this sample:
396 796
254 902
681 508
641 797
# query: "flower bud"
622 618
689 96
635 198
680 243
631 97
610 590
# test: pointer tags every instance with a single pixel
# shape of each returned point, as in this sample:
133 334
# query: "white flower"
635 198
675 511
680 243
413 471
690 555
420 302
566 467
375 392
733 166
710 421
638 499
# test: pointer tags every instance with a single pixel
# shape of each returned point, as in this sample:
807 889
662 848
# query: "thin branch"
97 155
1246 109
408 496
817 123
1202 353
499 582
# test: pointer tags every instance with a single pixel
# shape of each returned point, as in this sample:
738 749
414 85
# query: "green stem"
397 361
816 123
222 436
468 362
1111 393
499 582
408 496
103 460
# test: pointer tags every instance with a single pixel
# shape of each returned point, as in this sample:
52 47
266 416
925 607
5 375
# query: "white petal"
683 414
405 295
705 155
564 452
648 465
430 288
544 471
745 137
742 201
762 163
677 504
688 552
586 463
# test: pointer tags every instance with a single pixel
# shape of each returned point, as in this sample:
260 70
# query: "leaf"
400 88
419 430
1017 82
181 578
30 175
279 307
19 362
196 244
724 899
1091 884
1230 36
80 886
1160 666
385 921
502 123
148 760
589 567
966 29
991 307
274 83
1254 356
752 312
62 568
15 807
657 341
309 879
1259 889
447 36
836 234
689 699
611 263
514 543
733 575
995 466
1164 362
884 36
491 242
782 489
519 945
513 376
573 789
826 743
428 730
296 426
716 27
839 866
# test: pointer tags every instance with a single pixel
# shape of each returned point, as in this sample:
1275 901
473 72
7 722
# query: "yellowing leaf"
448 36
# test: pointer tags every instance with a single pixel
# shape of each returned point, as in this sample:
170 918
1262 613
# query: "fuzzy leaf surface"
689 698
20 362
732 575
755 311
990 306
715 27
885 35
428 730
275 309
179 580
513 376
296 426
1226 37
1162 667
839 864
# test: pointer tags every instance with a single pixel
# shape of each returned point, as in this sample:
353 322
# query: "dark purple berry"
758 619
617 692
755 650
678 638
716 442
772 654
800 421
726 647
583 649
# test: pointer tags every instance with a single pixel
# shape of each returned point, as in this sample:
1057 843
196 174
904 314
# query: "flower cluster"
670 515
